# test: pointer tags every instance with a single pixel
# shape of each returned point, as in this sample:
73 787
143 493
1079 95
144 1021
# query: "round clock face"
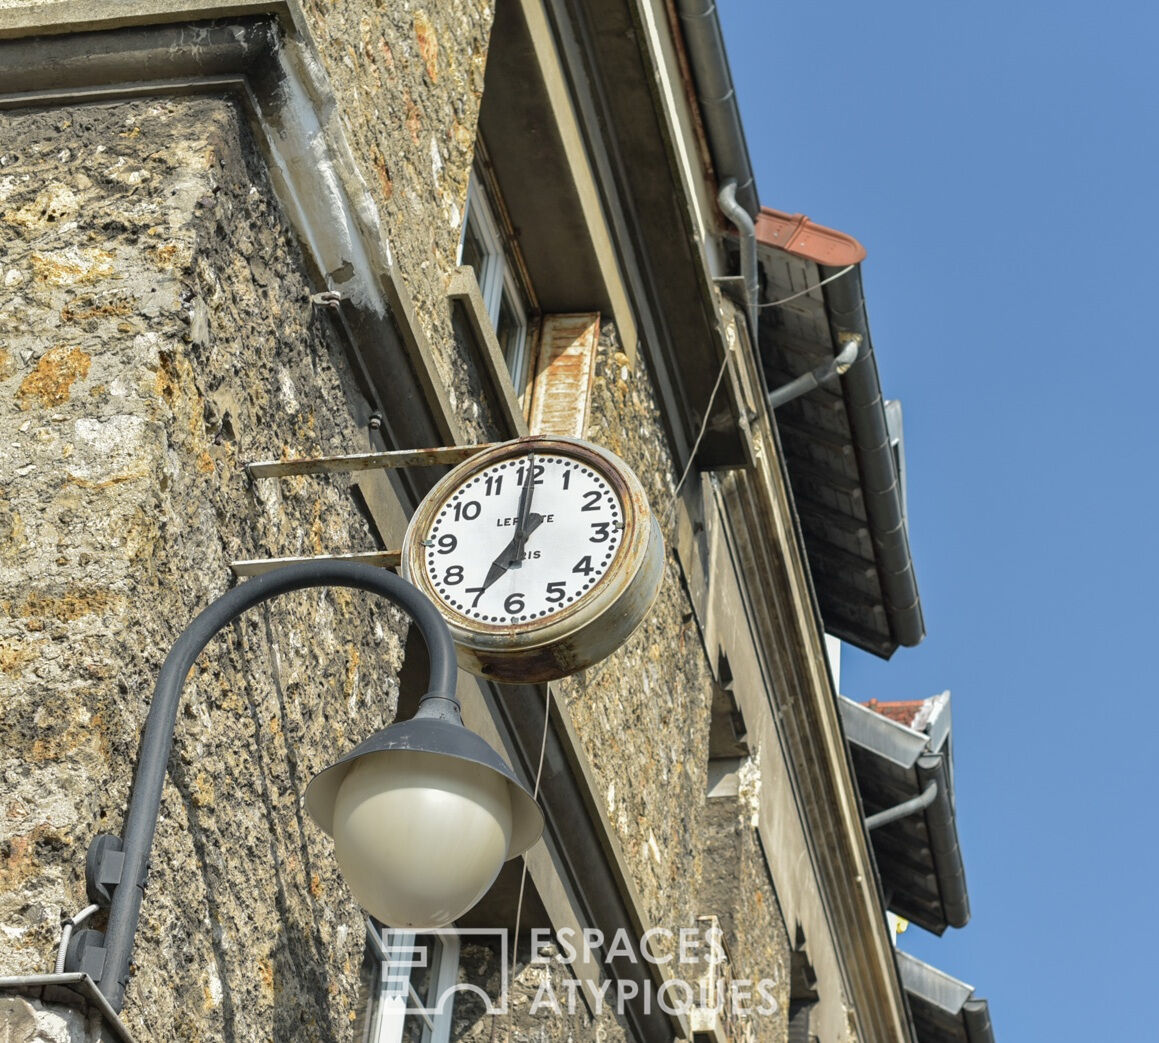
488 567
541 553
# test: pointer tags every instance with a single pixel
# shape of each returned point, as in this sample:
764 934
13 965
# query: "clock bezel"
583 632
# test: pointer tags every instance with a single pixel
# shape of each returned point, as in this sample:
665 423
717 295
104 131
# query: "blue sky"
998 163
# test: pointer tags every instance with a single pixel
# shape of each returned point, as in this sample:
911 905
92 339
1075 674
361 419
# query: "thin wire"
535 796
808 289
699 438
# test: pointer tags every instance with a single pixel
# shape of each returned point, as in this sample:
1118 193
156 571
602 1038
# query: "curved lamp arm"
157 740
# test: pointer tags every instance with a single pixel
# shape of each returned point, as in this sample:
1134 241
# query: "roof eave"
837 257
861 387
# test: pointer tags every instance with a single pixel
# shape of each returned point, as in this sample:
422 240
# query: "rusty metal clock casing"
585 630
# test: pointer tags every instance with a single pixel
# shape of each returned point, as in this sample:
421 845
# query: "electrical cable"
696 444
66 933
808 289
535 795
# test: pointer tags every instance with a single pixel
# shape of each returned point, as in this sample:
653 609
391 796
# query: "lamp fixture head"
423 814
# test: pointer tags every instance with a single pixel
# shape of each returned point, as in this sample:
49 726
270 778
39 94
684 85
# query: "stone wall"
157 334
408 81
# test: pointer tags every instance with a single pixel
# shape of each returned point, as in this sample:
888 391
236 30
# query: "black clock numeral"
453 576
468 511
584 566
494 483
514 604
602 532
591 500
447 543
566 479
555 592
477 591
536 472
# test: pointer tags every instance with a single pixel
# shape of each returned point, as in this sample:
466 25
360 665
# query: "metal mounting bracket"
387 559
450 454
103 866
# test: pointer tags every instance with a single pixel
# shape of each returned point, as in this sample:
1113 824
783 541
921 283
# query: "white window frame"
497 281
393 999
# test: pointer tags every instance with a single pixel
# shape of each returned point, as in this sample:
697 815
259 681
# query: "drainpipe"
720 114
906 807
749 271
704 44
824 373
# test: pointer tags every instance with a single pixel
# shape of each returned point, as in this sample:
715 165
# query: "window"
411 984
489 249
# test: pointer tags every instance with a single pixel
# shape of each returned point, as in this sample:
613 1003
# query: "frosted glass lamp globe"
420 837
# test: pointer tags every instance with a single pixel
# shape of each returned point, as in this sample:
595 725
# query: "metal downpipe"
906 807
824 373
749 272
712 77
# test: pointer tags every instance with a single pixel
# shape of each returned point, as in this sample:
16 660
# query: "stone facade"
156 333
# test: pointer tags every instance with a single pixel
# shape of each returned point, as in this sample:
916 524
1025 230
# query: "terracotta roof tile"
901 712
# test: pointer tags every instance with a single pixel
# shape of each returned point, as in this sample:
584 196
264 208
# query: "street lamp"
423 813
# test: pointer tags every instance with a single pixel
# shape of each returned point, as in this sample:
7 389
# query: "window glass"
490 255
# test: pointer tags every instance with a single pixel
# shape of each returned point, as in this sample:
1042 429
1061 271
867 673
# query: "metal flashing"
945 1010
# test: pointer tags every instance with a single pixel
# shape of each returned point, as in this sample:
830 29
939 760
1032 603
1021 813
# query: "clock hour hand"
511 556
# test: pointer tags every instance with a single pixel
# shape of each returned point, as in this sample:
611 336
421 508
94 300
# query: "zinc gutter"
838 258
861 386
720 112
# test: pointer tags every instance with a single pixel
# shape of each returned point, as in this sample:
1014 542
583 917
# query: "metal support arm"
157 741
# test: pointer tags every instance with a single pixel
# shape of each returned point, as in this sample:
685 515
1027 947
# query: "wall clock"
541 553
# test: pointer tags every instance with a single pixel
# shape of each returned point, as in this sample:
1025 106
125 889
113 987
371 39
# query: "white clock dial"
536 578
485 565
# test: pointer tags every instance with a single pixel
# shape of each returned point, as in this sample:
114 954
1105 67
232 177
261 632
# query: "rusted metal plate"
451 454
387 559
565 368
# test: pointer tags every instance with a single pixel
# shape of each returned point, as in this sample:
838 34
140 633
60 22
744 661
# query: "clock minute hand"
522 531
512 554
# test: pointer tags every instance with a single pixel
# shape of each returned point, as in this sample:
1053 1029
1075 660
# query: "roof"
944 1009
898 751
906 713
843 459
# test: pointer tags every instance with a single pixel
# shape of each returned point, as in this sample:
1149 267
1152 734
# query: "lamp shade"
423 815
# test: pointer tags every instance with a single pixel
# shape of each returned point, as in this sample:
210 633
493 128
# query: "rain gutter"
941 825
720 115
881 487
704 43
